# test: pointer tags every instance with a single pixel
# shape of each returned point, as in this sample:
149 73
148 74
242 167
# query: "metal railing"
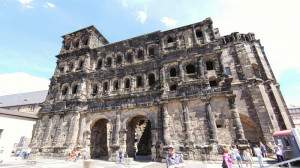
288 162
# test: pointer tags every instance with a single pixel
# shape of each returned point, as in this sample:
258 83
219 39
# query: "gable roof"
23 98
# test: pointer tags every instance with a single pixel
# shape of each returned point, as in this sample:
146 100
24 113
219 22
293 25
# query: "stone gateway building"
189 87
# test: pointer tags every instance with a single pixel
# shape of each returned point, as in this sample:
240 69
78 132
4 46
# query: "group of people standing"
260 151
74 155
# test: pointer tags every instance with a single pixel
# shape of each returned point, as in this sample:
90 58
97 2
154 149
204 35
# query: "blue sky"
31 30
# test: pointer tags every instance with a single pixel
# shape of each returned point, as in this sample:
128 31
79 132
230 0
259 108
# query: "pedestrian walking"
263 150
120 155
77 154
237 156
279 153
248 158
258 153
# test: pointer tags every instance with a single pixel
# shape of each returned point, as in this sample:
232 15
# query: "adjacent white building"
18 115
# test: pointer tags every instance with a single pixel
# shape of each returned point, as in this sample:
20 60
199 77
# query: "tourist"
248 158
72 154
237 156
27 153
174 160
135 151
120 155
77 154
227 161
263 150
258 153
279 153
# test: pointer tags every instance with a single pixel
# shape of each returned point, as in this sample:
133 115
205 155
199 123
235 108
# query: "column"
194 36
165 84
58 130
187 121
236 118
117 130
73 129
181 72
81 129
211 122
47 131
36 133
165 115
201 68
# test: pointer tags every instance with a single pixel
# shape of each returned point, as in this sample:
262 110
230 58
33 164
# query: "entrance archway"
99 145
252 133
139 134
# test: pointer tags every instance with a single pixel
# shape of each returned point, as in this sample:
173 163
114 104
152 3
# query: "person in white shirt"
279 153
237 156
258 153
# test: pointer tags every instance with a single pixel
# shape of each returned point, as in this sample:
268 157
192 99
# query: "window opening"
287 142
170 40
139 81
173 87
95 90
151 79
213 83
70 67
105 86
140 54
116 85
80 65
119 59
173 72
129 57
209 65
64 91
109 61
190 69
199 34
74 91
99 64
127 83
76 44
86 41
151 51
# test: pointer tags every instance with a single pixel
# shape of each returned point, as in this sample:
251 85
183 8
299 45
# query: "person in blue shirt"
174 160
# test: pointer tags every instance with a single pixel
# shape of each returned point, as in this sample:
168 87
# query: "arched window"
140 54
76 44
99 64
139 81
127 83
61 69
173 72
105 86
67 45
129 57
151 51
116 85
199 33
119 60
170 39
173 87
80 64
190 68
209 65
64 90
86 41
75 89
109 61
95 89
151 79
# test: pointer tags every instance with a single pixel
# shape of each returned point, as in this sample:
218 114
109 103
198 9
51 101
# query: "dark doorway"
139 134
99 144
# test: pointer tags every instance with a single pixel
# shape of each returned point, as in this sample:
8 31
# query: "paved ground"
14 162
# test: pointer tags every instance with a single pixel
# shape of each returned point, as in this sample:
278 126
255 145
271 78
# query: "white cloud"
50 5
25 1
19 82
124 3
141 16
168 22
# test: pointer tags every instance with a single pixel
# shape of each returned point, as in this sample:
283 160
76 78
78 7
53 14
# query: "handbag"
224 165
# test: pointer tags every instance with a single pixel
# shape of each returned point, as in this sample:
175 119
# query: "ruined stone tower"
189 87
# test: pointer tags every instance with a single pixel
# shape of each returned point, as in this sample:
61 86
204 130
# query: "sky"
31 30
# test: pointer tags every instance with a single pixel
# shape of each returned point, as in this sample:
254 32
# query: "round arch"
251 130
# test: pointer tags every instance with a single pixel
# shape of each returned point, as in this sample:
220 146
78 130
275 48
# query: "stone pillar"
162 44
211 122
194 36
181 72
236 118
58 127
165 84
165 115
187 121
117 129
81 130
73 129
35 136
201 69
47 132
86 65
